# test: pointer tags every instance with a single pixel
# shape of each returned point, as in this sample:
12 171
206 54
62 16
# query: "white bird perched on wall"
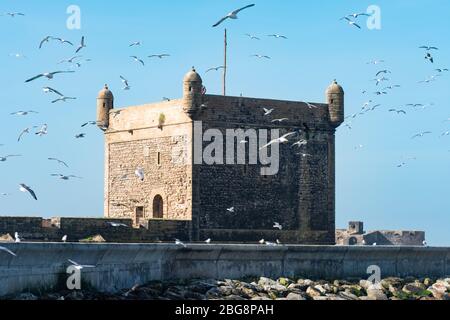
277 226
208 241
7 251
262 241
425 243
279 242
116 224
17 237
140 174
64 239
232 15
270 244
80 266
374 244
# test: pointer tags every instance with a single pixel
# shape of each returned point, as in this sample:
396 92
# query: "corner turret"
335 100
105 102
192 92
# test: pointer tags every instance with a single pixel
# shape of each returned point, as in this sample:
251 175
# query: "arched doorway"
158 207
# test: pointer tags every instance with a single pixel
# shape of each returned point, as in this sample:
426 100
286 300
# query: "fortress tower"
224 202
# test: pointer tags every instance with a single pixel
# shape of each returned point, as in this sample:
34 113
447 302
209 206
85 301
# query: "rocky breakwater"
267 289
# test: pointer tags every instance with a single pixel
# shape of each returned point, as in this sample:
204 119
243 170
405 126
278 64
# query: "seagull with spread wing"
282 139
23 113
63 41
215 69
51 90
59 161
64 177
48 75
92 123
70 60
260 56
252 37
42 131
277 36
14 14
428 48
3 159
397 111
81 46
125 83
135 58
25 188
24 131
79 266
351 22
421 134
160 56
232 15
63 99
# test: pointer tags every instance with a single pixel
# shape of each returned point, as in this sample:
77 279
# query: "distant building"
355 235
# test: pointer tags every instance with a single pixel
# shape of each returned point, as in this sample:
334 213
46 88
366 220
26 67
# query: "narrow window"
158 209
139 214
158 158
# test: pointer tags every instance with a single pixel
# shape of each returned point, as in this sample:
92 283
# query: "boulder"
6 238
295 296
313 292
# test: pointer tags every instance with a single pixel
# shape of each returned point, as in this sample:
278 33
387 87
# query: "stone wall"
121 266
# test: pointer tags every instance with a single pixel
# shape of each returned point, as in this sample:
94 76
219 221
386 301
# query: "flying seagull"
160 56
260 56
140 174
63 99
232 15
45 40
138 60
48 75
70 60
441 70
80 136
230 210
179 243
282 139
17 55
42 131
252 36
14 14
375 62
116 224
23 113
351 22
268 111
64 177
79 266
51 90
382 72
92 123
421 134
7 251
278 226
25 188
3 159
428 48
278 36
279 120
59 161
136 43
300 143
215 69
397 111
125 83
63 41
24 131
356 15
429 57
81 46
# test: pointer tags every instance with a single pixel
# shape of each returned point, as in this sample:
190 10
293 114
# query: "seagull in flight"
278 36
80 136
136 43
278 226
375 62
14 14
23 113
7 251
179 243
64 177
63 41
357 15
42 131
25 188
79 266
397 111
441 70
3 159
92 123
24 131
59 161
421 134
45 40
267 111
48 75
392 87
429 57
125 83
282 139
428 48
260 56
382 72
81 46
215 69
379 80
280 120
70 60
160 56
135 58
351 22
230 210
116 225
51 90
252 37
140 174
232 15
63 99
300 143
17 55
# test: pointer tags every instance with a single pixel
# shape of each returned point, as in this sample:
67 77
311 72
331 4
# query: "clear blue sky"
320 48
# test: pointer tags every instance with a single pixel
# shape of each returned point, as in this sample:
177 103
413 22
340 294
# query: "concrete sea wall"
119 266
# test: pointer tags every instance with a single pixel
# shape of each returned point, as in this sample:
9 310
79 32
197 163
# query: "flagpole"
225 64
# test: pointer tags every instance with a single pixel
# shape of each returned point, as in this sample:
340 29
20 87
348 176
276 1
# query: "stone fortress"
182 198
159 139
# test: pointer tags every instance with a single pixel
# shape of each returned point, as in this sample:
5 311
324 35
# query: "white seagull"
64 239
17 237
160 56
79 266
215 69
64 99
282 139
59 161
51 90
23 113
25 188
277 226
116 224
260 56
125 83
351 22
135 58
140 174
179 243
231 210
3 159
252 36
81 46
136 43
233 14
64 177
278 36
421 134
42 131
48 75
8 251
267 111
